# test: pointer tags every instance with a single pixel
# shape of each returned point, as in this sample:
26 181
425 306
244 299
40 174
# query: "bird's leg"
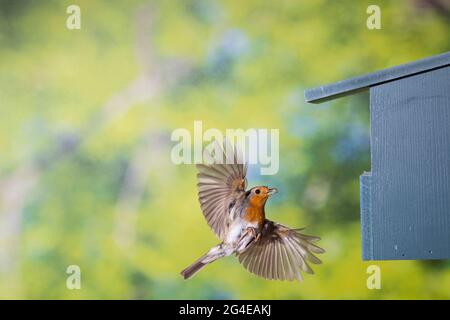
217 252
248 230
247 237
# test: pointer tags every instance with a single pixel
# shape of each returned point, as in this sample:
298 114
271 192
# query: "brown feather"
280 253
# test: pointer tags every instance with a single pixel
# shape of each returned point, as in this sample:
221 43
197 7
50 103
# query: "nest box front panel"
405 199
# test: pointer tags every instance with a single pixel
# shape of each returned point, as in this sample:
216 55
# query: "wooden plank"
361 83
366 215
409 209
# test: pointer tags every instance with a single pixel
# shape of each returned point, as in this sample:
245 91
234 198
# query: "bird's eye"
257 191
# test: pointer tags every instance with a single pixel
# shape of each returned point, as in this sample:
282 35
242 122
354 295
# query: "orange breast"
255 214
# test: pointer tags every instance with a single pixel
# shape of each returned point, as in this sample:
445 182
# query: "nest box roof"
357 84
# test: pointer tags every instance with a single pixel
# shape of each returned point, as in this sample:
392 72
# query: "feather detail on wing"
281 253
220 186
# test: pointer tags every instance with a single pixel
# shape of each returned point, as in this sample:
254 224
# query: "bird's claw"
255 234
249 236
258 236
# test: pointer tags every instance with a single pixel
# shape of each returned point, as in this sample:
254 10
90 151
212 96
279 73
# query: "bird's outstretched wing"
281 253
220 187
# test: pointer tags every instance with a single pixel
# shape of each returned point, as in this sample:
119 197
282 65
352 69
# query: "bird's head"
259 195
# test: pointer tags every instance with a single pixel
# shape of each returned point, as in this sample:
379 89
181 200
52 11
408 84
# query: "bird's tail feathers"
212 255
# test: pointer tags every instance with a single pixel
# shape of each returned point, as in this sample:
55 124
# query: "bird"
237 216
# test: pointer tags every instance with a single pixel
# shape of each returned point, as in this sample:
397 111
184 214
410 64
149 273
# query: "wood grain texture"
366 215
409 203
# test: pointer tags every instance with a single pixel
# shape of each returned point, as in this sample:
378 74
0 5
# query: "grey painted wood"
405 199
366 215
357 84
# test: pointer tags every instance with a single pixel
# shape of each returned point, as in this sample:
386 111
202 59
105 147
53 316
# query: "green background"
85 123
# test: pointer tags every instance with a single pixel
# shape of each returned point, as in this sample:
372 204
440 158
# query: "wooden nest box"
405 198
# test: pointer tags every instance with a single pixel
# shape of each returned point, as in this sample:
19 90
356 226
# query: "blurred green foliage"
85 123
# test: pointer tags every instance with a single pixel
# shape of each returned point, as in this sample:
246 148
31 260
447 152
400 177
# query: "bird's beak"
272 191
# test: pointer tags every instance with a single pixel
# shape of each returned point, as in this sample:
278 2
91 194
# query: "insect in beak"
272 191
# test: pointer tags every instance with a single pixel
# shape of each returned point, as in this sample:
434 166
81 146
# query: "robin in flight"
237 216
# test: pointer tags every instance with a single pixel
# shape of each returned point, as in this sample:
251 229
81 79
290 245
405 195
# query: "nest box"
405 197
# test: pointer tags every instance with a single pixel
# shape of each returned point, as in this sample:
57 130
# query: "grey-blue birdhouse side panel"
405 204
